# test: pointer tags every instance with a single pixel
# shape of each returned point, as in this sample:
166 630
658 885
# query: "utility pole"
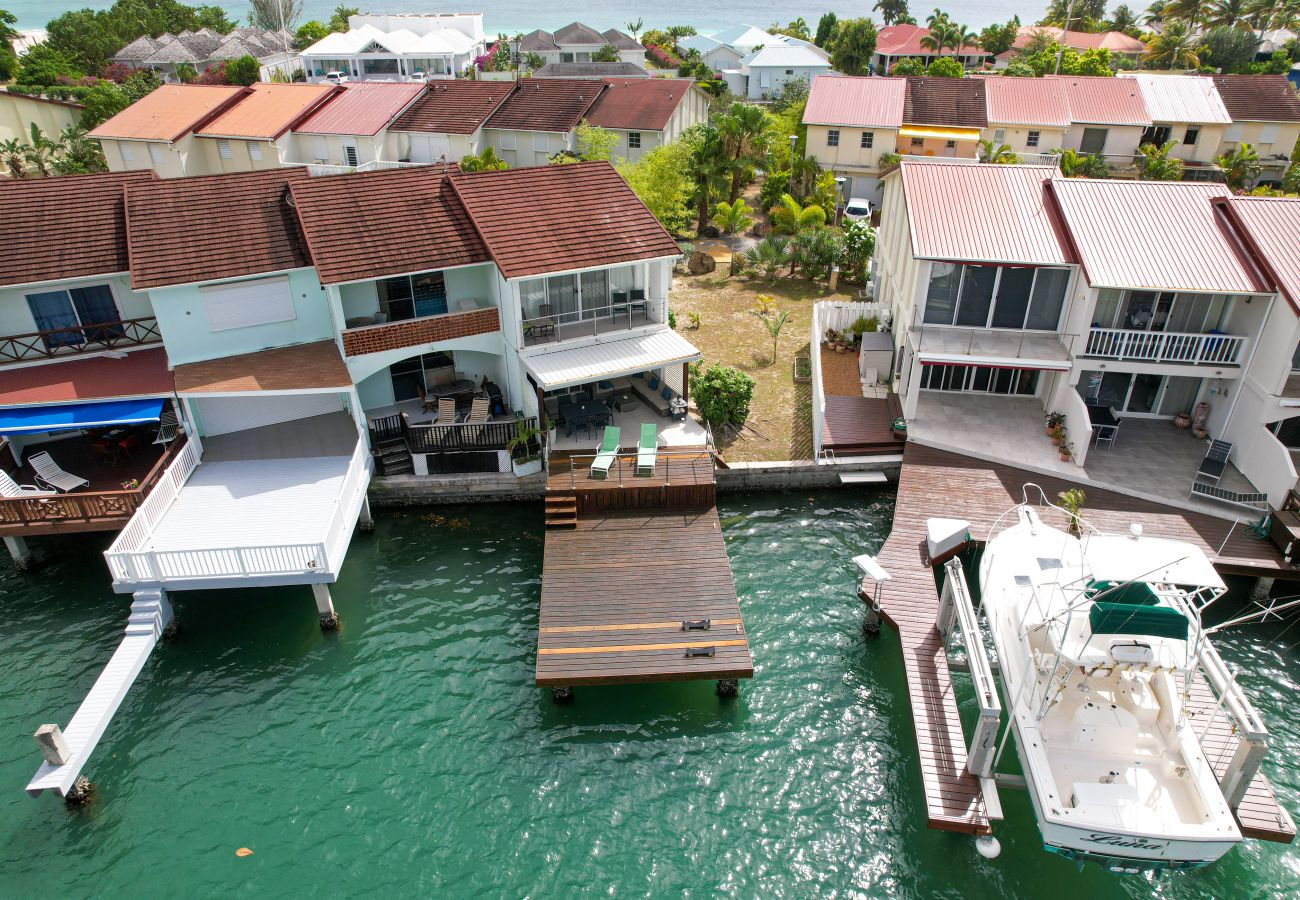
1069 8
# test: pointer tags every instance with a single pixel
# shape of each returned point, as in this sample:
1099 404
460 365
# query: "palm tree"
40 150
1226 13
1173 48
1193 12
1156 165
788 217
1123 19
804 172
1001 155
1082 165
634 29
935 18
773 323
487 161
13 153
891 10
960 36
769 255
77 153
1240 166
730 218
1157 12
940 36
744 131
707 167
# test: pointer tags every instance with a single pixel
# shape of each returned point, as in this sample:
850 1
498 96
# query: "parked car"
337 77
857 208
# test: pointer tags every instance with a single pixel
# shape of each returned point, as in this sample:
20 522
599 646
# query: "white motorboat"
1096 637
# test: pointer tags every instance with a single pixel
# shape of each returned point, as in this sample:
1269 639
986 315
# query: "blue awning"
74 416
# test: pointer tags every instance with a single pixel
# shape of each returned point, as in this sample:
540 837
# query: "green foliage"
339 20
767 256
89 37
814 250
855 41
722 394
788 217
707 167
606 54
908 65
859 247
825 28
825 192
745 132
997 39
659 180
72 153
945 67
595 143
186 73
243 71
44 64
730 218
487 161
894 12
672 319
1173 48
525 439
534 61
8 59
272 15
772 321
1239 166
1229 48
1291 179
1156 165
1018 68
796 29
1278 64
309 33
774 185
790 94
996 154
1082 165
1042 60
13 157
888 159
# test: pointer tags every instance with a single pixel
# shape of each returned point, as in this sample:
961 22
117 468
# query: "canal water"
410 755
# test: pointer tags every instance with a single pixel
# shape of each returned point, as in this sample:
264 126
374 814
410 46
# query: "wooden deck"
639 558
933 483
861 425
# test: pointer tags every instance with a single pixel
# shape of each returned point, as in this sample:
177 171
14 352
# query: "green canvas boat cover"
1106 617
1135 592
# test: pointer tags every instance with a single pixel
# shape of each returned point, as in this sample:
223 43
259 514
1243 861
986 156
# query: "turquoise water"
410 755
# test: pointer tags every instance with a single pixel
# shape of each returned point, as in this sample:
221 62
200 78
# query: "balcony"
374 165
991 346
618 315
367 336
102 507
79 339
1165 347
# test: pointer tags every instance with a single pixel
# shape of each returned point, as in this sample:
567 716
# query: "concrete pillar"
366 521
19 550
53 747
329 620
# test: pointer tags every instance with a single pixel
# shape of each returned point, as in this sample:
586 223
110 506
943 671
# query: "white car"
336 77
857 208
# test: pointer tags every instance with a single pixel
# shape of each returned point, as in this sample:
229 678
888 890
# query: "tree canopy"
854 43
88 37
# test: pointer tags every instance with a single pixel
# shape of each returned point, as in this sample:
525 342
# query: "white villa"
398 48
578 43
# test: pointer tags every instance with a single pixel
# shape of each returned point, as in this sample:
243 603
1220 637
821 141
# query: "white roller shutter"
222 415
247 303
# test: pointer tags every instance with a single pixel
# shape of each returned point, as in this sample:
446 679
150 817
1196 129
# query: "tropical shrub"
1156 164
815 250
908 65
243 71
788 217
1239 166
945 67
722 394
730 218
859 247
660 181
487 161
768 256
1074 164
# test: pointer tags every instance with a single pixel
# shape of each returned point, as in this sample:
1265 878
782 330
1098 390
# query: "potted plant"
550 432
1058 435
525 455
1072 501
1066 449
130 484
1054 421
899 425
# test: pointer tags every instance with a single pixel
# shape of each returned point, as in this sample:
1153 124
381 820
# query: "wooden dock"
936 483
636 582
855 426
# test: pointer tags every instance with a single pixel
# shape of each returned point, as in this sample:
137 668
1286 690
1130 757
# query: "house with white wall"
538 118
1265 114
157 131
766 70
446 122
578 43
1029 115
352 129
903 41
645 113
257 132
853 122
1185 109
1108 118
398 48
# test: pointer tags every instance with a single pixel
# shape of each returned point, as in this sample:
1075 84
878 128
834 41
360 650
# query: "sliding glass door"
1017 298
980 380
1140 394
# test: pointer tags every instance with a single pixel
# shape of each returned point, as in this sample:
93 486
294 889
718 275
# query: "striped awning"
943 133
609 359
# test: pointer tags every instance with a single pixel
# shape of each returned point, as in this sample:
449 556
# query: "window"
1295 359
832 137
566 57
223 149
1032 139
918 142
950 145
350 155
156 154
254 151
412 296
1190 135
1268 134
246 303
789 71
413 377
541 142
1011 297
976 296
941 298
979 379
507 141
1093 140
128 155
634 140
1156 134
999 136
868 139
66 312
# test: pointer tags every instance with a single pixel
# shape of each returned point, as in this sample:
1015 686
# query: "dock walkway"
936 483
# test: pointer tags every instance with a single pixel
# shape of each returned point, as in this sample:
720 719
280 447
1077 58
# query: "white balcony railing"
1166 346
620 315
373 165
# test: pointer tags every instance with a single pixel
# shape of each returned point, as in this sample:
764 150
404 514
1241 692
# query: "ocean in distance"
510 16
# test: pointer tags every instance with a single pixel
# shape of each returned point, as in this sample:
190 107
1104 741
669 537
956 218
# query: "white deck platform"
150 614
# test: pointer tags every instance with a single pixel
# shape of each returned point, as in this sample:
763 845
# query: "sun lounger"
646 449
50 475
1215 462
167 426
606 453
12 489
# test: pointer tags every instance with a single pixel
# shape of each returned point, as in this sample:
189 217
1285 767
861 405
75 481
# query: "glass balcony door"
1140 394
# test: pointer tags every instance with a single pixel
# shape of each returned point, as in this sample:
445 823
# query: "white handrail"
1165 346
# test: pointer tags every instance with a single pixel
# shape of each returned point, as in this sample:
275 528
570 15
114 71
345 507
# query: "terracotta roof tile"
268 110
945 101
546 104
644 104
381 238
141 373
591 70
454 107
905 40
169 112
1258 98
67 227
363 108
556 218
1114 41
186 230
298 368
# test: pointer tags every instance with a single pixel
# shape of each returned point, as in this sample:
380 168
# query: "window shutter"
223 149
128 155
248 303
254 151
156 154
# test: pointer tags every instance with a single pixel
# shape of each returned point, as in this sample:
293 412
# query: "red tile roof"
398 221
363 108
557 218
454 107
546 104
639 104
169 112
1121 231
1258 98
1096 100
981 213
186 230
945 101
1271 226
1114 41
856 102
67 227
268 111
1027 101
905 40
142 373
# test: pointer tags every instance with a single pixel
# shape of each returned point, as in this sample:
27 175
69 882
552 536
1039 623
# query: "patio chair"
446 411
50 475
13 490
167 425
480 412
1215 462
544 324
647 449
606 453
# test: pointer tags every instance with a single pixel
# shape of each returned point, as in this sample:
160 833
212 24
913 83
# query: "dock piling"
728 687
53 746
329 619
365 521
20 552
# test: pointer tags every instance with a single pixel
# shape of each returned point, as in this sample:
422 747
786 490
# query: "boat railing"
957 610
1246 721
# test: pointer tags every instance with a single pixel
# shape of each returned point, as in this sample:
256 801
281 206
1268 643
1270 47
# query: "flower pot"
1056 440
1065 457
531 467
1182 420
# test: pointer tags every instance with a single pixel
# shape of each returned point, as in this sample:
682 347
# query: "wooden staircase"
561 509
392 457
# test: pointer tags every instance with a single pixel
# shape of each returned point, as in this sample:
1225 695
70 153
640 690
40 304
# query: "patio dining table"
451 389
580 415
1105 424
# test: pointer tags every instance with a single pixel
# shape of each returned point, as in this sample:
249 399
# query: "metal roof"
169 112
854 101
1181 98
1027 101
1272 226
268 110
1154 235
1096 100
582 365
785 55
974 212
363 108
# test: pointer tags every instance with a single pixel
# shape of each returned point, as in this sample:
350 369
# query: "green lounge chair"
606 453
645 451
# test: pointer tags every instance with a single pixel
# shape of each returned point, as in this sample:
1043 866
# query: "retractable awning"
940 132
75 416
582 365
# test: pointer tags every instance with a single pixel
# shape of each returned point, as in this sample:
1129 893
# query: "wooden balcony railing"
419 331
1165 346
79 339
83 510
442 438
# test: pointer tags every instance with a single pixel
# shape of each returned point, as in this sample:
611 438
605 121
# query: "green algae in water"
411 756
